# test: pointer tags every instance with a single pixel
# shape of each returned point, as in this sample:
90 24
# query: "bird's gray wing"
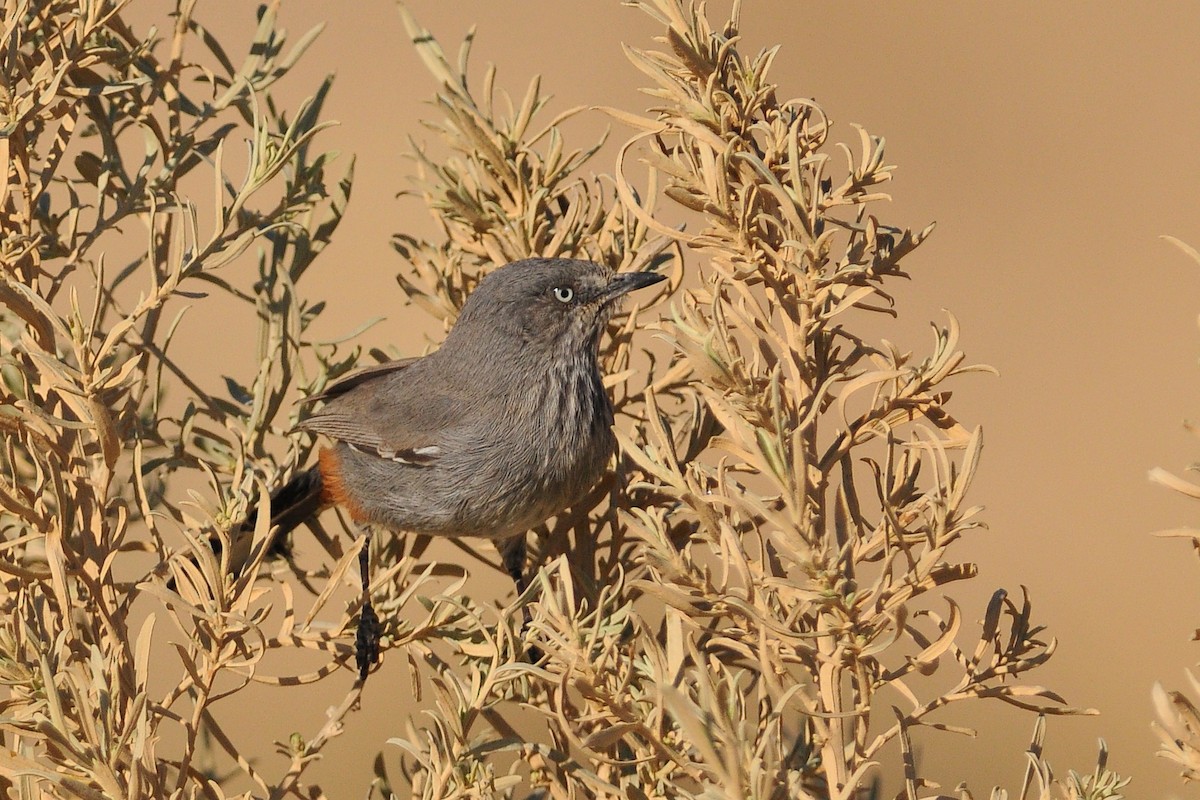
390 411
343 385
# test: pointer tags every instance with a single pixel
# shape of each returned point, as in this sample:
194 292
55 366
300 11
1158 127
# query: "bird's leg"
366 642
513 554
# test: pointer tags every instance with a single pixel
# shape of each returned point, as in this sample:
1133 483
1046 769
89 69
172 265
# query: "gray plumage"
504 426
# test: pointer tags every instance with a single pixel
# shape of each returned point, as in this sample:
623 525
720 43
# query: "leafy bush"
754 604
1178 725
107 132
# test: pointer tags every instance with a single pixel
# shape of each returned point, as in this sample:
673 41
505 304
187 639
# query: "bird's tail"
292 504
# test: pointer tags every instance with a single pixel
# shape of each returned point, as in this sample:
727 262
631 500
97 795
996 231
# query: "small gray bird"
501 428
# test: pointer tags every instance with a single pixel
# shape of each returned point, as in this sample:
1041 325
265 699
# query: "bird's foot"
366 641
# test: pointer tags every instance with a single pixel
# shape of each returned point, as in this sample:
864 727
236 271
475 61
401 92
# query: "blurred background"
1052 143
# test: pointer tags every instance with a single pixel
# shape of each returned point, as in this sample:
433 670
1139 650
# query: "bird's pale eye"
564 294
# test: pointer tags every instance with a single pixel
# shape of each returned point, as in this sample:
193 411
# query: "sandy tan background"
1053 145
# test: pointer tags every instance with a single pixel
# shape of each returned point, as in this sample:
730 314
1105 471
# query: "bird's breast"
521 456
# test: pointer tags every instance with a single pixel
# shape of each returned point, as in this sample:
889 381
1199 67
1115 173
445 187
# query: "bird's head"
544 303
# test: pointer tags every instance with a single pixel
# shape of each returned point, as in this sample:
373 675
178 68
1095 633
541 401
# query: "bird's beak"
625 282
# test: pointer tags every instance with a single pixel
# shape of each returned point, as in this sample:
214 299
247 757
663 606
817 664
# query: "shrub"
108 134
754 604
1178 725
